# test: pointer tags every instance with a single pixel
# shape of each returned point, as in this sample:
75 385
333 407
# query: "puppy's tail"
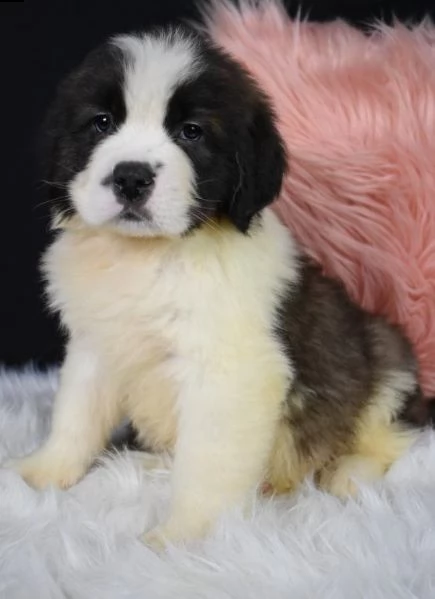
419 411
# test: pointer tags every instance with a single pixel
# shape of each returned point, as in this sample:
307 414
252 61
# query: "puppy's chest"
155 302
120 296
190 298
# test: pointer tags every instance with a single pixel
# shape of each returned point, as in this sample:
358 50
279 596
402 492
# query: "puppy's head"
156 134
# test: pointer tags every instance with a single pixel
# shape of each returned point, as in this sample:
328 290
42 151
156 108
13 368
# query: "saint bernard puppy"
189 307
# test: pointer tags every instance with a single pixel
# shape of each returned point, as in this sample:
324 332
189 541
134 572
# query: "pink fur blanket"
358 115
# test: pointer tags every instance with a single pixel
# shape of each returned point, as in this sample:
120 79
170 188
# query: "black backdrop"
39 42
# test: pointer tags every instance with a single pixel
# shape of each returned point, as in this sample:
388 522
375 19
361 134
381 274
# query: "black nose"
133 181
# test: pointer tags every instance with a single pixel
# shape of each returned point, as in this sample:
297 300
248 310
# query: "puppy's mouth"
135 215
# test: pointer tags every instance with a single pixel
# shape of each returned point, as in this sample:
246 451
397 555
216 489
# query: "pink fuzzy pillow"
358 116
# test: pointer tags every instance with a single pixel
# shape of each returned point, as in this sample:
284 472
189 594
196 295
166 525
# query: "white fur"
82 543
154 66
177 335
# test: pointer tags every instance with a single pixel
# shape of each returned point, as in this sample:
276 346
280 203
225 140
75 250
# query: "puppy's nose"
133 181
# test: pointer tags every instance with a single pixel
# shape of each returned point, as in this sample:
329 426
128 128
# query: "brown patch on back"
353 374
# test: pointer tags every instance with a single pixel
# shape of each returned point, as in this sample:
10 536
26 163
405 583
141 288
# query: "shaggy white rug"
82 543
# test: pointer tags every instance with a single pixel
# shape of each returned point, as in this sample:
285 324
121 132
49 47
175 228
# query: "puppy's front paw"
42 470
155 539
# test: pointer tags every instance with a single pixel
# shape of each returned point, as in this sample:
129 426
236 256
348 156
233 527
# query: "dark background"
39 42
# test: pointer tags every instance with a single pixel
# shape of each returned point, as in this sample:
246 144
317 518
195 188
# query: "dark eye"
191 132
102 123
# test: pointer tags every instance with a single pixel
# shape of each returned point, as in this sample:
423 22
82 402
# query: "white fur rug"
82 543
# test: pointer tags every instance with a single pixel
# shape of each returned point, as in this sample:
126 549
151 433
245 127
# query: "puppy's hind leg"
379 441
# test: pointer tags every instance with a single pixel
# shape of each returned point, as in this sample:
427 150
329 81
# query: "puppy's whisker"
68 168
51 201
207 222
206 201
54 184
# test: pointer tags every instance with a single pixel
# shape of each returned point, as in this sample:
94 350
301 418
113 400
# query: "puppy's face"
154 135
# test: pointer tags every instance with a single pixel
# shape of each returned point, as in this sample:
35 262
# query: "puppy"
190 309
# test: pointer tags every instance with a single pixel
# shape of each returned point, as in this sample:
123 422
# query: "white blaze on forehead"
155 66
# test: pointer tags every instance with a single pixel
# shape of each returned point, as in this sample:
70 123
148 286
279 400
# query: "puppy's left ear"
260 164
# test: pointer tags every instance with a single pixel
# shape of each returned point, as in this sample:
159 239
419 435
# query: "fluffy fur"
189 308
357 115
82 543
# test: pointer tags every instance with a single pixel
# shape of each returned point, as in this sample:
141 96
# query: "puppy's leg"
82 420
377 446
226 431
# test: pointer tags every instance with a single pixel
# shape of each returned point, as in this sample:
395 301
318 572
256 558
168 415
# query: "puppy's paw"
349 472
41 470
155 539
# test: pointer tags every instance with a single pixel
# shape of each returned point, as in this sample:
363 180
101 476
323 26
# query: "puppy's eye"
191 132
102 123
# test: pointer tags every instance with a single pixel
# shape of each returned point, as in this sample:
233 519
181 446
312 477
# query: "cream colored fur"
177 335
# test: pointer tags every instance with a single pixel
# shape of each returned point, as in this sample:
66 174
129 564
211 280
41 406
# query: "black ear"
260 164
